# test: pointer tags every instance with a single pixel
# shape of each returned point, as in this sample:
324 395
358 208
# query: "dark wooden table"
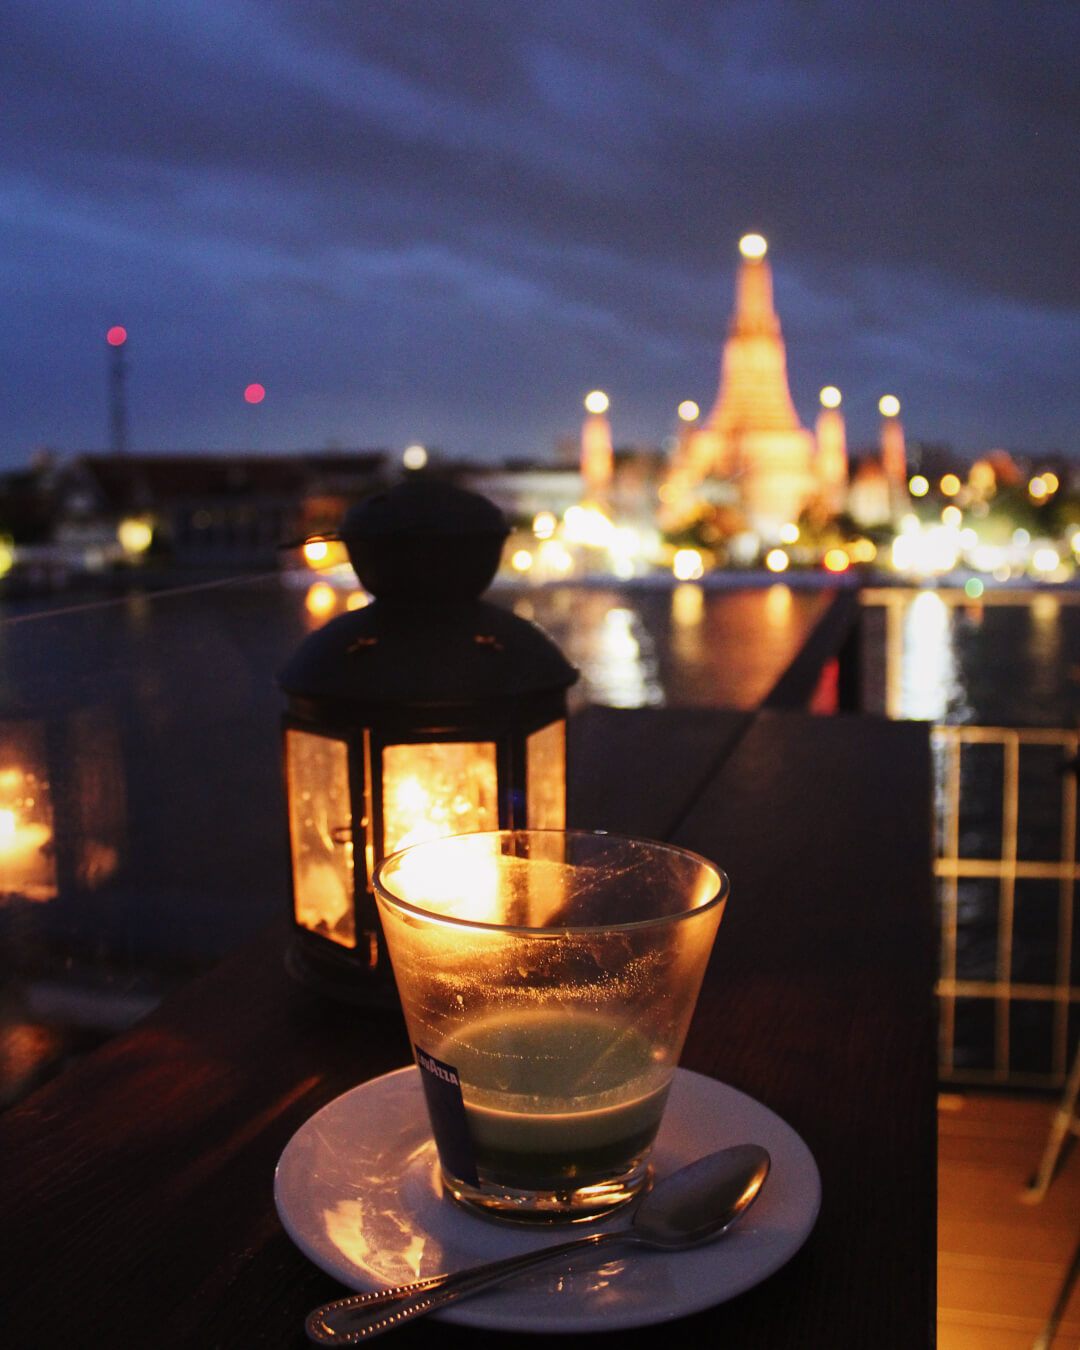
136 1189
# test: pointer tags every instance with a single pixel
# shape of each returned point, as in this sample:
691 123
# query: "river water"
1010 661
169 698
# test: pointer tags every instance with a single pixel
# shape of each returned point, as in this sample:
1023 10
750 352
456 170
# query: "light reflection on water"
622 663
608 642
929 679
1009 664
687 646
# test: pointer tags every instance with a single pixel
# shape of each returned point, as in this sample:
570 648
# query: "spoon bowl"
701 1200
688 1208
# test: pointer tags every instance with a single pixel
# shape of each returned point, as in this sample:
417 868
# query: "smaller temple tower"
831 461
597 457
894 455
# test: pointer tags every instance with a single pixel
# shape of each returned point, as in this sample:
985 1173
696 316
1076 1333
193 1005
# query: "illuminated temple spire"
754 394
753 435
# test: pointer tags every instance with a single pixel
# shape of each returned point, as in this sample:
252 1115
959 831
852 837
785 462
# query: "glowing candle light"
21 856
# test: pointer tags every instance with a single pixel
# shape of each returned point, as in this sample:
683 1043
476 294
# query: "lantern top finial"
425 539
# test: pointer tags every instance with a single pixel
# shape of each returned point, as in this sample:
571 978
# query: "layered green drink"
556 1097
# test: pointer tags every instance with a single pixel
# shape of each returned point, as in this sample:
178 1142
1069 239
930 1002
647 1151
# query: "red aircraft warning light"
116 337
254 393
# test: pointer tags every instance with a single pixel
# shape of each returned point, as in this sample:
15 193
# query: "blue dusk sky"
446 222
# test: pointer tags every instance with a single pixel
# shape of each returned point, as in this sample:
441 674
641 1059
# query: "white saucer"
357 1189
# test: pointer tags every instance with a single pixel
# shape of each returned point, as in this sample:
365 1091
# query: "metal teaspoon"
692 1206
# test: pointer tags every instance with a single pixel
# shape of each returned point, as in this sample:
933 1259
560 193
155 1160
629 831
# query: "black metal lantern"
428 712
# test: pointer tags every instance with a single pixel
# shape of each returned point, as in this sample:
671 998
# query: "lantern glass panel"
95 796
320 828
437 788
545 777
27 845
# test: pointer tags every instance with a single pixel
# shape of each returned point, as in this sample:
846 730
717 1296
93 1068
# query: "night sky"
416 220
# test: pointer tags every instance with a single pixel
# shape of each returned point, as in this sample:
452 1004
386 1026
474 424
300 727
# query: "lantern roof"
422 538
426 549
434 655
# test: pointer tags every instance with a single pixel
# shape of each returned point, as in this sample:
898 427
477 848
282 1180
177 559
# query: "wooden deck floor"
1001 1262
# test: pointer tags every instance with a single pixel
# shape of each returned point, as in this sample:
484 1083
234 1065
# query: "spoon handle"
347 1321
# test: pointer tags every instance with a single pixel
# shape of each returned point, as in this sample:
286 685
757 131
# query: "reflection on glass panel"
96 796
320 814
434 789
545 778
27 850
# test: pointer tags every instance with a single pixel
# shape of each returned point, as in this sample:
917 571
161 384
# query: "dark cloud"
425 218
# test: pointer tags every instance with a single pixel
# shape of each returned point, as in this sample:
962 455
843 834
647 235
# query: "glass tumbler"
547 979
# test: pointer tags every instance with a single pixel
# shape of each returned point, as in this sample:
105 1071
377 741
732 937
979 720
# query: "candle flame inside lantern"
25 867
436 789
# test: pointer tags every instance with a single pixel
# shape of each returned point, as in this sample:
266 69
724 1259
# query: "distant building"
522 492
212 510
870 499
28 503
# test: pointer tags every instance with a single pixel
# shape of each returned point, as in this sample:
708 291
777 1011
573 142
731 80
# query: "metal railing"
1006 843
996 989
